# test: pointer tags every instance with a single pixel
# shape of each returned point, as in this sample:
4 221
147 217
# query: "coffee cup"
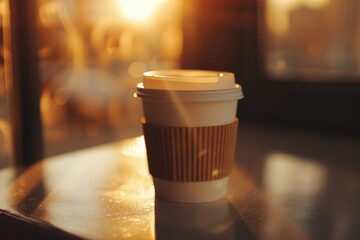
190 129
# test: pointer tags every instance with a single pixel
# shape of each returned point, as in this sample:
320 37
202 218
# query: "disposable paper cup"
190 130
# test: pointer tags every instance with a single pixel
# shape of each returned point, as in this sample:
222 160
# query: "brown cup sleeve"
190 154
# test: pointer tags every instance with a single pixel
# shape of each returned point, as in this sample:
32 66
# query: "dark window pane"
316 40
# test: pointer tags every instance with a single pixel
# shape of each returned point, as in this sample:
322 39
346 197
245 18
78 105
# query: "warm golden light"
61 96
139 10
136 69
215 172
134 147
285 173
278 12
4 137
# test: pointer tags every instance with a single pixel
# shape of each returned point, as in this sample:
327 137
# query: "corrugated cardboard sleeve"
190 154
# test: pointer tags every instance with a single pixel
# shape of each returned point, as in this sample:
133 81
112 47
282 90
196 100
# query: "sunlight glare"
139 10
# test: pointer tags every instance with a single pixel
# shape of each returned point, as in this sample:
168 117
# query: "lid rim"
190 95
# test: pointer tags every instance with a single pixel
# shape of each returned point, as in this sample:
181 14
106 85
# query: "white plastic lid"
181 79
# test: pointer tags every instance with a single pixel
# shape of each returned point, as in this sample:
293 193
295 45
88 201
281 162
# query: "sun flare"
139 10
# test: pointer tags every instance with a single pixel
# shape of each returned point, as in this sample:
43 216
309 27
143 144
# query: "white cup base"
191 192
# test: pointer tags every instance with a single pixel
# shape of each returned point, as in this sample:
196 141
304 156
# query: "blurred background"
298 62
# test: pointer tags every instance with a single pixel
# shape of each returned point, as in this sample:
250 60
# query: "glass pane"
5 133
316 40
92 55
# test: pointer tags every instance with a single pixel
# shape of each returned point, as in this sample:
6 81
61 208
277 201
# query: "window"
82 60
92 55
297 60
316 41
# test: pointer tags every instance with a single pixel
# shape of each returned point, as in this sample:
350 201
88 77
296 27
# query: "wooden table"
286 184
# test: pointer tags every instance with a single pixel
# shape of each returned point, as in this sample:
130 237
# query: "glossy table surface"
286 184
